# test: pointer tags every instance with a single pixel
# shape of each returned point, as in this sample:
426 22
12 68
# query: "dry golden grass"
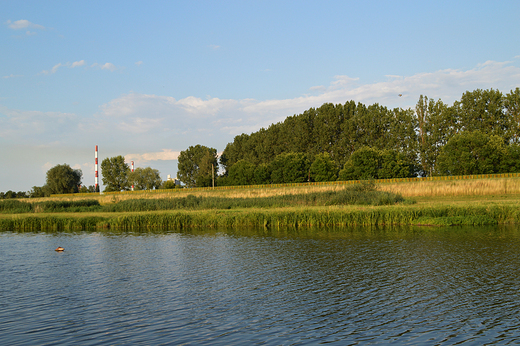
437 189
476 187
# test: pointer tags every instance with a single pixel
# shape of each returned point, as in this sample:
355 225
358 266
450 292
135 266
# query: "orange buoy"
59 248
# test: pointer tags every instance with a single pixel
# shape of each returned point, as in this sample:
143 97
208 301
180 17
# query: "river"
440 286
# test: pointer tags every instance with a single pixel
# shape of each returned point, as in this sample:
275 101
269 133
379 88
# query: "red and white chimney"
96 169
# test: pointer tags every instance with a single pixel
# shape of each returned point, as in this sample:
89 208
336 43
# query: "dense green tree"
364 163
323 168
195 166
370 163
170 184
472 153
242 173
290 168
436 123
482 110
511 161
395 165
115 173
39 191
63 179
262 174
10 194
512 110
145 178
419 135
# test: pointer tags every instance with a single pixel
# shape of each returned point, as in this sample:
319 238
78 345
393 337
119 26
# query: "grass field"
454 202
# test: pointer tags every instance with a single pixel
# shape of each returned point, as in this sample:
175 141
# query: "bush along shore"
288 217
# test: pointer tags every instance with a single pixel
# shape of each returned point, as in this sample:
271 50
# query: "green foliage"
144 179
195 166
512 112
15 206
418 137
242 173
169 184
262 174
115 174
370 163
274 219
395 165
323 168
482 110
511 162
364 163
290 168
472 153
63 179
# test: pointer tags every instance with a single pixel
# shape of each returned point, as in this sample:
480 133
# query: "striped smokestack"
96 168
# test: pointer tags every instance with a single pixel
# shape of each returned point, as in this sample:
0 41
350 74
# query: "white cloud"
12 76
53 70
32 125
144 113
139 63
29 33
164 155
214 46
77 63
22 24
106 66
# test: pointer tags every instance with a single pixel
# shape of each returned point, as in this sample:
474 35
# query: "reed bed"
48 206
274 218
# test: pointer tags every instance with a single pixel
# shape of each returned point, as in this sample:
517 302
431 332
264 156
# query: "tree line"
117 176
478 134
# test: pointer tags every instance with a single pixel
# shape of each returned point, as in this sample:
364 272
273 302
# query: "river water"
440 286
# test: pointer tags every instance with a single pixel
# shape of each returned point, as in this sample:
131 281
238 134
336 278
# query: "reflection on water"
343 286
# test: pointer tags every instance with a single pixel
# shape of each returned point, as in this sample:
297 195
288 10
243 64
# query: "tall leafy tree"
262 174
145 178
436 124
323 168
482 110
63 179
115 173
512 110
290 168
242 173
364 163
195 165
472 152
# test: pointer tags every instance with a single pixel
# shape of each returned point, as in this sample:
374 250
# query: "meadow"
424 203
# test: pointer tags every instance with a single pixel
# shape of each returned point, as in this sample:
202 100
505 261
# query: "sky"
148 79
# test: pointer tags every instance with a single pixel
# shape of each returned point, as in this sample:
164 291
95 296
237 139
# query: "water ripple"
376 287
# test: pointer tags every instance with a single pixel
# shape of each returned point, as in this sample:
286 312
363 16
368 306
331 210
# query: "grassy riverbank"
468 202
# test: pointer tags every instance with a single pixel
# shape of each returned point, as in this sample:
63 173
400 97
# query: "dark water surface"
439 286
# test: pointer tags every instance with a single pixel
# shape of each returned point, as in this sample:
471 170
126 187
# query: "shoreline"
425 216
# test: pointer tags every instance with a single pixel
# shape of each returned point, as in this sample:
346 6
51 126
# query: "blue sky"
147 80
